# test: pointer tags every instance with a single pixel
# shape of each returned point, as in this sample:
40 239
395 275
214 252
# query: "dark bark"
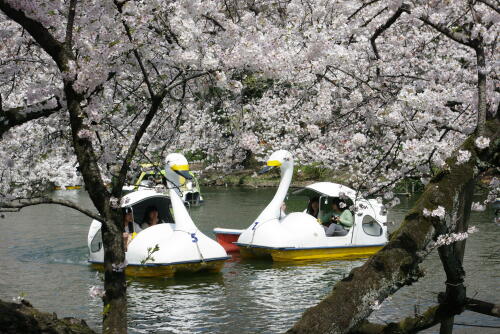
18 205
481 87
68 40
17 116
431 317
482 307
452 259
386 26
115 299
42 36
23 318
396 265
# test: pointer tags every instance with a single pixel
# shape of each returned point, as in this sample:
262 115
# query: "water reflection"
251 295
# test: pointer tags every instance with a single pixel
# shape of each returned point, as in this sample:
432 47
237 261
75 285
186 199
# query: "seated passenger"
341 220
282 210
151 217
130 227
313 207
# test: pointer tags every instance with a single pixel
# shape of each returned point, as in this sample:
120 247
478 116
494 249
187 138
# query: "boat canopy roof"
140 200
136 197
329 189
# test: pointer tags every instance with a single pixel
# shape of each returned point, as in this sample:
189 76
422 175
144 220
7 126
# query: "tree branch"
491 5
155 105
456 36
385 26
43 37
119 6
366 4
431 317
68 41
16 116
18 205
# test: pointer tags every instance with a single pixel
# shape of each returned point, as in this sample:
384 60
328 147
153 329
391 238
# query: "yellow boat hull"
333 253
168 270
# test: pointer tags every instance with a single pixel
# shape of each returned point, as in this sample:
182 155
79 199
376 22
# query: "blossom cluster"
448 239
96 292
439 212
241 81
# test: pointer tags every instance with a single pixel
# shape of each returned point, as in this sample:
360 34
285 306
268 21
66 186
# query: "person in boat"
313 207
341 220
313 210
130 227
151 217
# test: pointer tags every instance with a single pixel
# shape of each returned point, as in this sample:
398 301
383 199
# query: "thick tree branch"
43 37
482 109
18 205
16 116
431 317
366 4
491 4
385 26
120 181
396 265
456 36
69 27
452 258
155 105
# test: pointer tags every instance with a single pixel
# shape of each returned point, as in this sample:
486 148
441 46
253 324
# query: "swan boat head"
176 165
282 159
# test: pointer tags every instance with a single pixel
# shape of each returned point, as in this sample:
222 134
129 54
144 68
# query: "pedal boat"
151 175
182 247
299 236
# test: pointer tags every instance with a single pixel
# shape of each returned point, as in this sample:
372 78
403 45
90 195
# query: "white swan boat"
163 249
299 236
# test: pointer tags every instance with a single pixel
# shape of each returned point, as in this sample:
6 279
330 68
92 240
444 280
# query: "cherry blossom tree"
100 73
377 90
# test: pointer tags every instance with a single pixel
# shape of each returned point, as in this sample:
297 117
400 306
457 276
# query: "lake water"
44 258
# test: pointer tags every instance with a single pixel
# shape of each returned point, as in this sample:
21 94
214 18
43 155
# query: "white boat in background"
299 236
163 249
151 175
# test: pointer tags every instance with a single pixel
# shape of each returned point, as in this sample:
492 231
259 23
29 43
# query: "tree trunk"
455 291
452 257
115 299
481 88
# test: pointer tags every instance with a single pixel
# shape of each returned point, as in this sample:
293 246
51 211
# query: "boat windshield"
326 209
163 205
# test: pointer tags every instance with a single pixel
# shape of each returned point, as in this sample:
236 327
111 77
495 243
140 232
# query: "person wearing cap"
130 227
